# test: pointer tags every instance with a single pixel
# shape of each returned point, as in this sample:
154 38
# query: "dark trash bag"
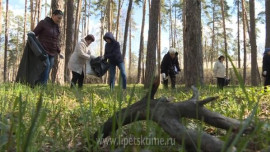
227 81
33 62
99 66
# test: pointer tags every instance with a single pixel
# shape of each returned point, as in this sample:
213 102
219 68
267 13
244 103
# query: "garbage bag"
99 66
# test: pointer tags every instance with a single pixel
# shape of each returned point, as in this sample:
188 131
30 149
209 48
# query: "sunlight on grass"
58 118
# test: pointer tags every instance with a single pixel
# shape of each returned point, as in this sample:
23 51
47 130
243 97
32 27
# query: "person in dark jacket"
48 33
266 68
33 62
112 52
170 67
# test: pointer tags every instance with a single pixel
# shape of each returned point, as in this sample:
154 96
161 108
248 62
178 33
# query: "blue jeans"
45 74
121 67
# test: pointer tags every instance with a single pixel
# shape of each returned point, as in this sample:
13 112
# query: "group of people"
48 33
220 71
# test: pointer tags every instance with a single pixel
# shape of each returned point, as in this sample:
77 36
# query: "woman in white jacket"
78 60
220 72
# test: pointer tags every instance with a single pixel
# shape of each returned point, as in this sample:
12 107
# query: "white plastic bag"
89 70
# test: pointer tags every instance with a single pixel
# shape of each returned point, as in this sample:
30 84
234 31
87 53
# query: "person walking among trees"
113 54
220 72
170 67
78 60
266 68
48 33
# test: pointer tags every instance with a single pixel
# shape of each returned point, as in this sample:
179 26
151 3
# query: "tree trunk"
77 22
152 43
6 43
58 69
238 33
213 35
24 26
45 7
254 64
159 45
102 18
244 41
118 19
194 61
39 9
171 25
174 34
85 17
109 24
267 18
184 35
69 37
130 57
141 44
224 35
126 28
32 13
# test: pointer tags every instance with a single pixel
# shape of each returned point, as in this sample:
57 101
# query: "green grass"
58 118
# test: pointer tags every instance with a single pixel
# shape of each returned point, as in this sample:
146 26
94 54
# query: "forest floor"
57 118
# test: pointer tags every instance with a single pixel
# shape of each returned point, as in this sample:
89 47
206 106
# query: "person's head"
172 52
108 37
57 16
221 58
267 51
108 40
89 39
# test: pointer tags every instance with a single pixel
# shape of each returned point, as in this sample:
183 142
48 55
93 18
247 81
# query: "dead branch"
167 115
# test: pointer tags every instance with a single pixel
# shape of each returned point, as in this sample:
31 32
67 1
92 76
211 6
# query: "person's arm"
81 51
38 29
264 63
163 65
177 65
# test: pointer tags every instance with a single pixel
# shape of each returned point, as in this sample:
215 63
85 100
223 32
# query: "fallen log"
167 115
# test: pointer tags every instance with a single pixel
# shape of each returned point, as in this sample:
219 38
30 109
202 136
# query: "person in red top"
47 32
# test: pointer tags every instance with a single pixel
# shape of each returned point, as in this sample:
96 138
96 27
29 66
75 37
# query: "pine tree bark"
244 41
126 27
254 64
224 35
32 13
39 10
130 57
6 42
159 46
152 43
238 33
109 17
69 37
45 8
141 44
57 74
24 26
171 25
267 15
213 34
194 58
184 34
77 21
118 18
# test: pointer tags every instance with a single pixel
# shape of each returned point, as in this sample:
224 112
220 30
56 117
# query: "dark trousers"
76 77
220 83
266 82
173 79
